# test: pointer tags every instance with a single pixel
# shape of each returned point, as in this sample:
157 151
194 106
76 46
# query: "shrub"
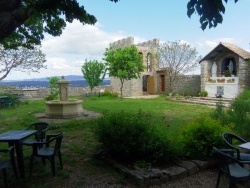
203 93
200 135
109 94
54 89
220 114
134 137
238 114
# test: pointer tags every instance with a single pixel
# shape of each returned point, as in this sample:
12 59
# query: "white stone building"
225 71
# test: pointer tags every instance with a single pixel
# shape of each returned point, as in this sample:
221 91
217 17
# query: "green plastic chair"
5 164
47 151
232 141
230 166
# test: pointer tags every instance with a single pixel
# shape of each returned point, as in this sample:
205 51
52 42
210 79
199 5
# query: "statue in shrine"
231 67
214 70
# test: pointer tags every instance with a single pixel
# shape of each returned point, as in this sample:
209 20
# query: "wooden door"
151 85
162 82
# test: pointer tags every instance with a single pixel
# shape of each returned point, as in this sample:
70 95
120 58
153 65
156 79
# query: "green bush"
203 93
134 137
109 94
220 114
200 135
54 89
238 114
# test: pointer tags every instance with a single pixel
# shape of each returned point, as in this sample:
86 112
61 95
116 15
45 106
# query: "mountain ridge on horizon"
67 77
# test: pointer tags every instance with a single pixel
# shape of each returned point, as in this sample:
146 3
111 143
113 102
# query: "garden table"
15 138
245 146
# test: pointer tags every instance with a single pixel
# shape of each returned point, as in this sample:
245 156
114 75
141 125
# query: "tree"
21 59
94 73
177 58
54 88
210 11
124 63
24 22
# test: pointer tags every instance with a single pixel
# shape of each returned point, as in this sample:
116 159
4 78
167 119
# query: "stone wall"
44 92
243 74
122 43
130 88
186 85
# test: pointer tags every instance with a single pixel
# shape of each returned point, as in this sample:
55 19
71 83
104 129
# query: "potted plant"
203 93
231 80
211 80
227 73
221 80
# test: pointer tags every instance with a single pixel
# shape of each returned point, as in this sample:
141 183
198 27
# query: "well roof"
221 46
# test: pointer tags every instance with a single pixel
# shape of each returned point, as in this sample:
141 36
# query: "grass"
79 143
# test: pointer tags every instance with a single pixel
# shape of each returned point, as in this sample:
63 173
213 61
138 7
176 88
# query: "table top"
245 145
3 97
16 135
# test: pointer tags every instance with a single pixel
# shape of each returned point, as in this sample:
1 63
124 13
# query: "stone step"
205 101
213 99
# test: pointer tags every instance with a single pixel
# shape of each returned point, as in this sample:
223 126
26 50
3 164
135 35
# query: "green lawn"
79 145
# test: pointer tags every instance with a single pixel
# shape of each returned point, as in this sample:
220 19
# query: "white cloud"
66 54
204 46
78 39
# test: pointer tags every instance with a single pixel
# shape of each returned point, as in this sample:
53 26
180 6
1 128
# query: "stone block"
202 164
155 173
177 172
190 166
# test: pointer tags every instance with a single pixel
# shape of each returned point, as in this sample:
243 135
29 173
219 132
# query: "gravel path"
203 179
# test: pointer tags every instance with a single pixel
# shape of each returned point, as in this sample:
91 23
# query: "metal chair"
5 164
231 167
232 141
48 152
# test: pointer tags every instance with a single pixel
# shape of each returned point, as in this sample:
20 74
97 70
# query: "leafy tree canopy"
24 22
210 11
124 63
94 72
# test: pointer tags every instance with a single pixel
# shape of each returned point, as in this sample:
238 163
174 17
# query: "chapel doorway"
162 83
151 85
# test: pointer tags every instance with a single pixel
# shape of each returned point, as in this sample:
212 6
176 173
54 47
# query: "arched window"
228 66
148 62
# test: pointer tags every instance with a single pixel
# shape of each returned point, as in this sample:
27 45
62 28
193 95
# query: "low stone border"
155 176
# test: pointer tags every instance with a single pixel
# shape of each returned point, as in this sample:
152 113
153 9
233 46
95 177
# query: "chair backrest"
58 140
229 139
41 128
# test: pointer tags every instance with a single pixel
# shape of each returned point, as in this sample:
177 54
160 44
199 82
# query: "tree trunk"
122 81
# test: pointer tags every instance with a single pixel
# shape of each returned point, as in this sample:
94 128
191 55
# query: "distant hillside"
68 77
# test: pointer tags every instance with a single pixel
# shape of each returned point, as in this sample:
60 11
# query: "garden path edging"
156 176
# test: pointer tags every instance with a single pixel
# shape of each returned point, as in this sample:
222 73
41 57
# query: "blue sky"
145 20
